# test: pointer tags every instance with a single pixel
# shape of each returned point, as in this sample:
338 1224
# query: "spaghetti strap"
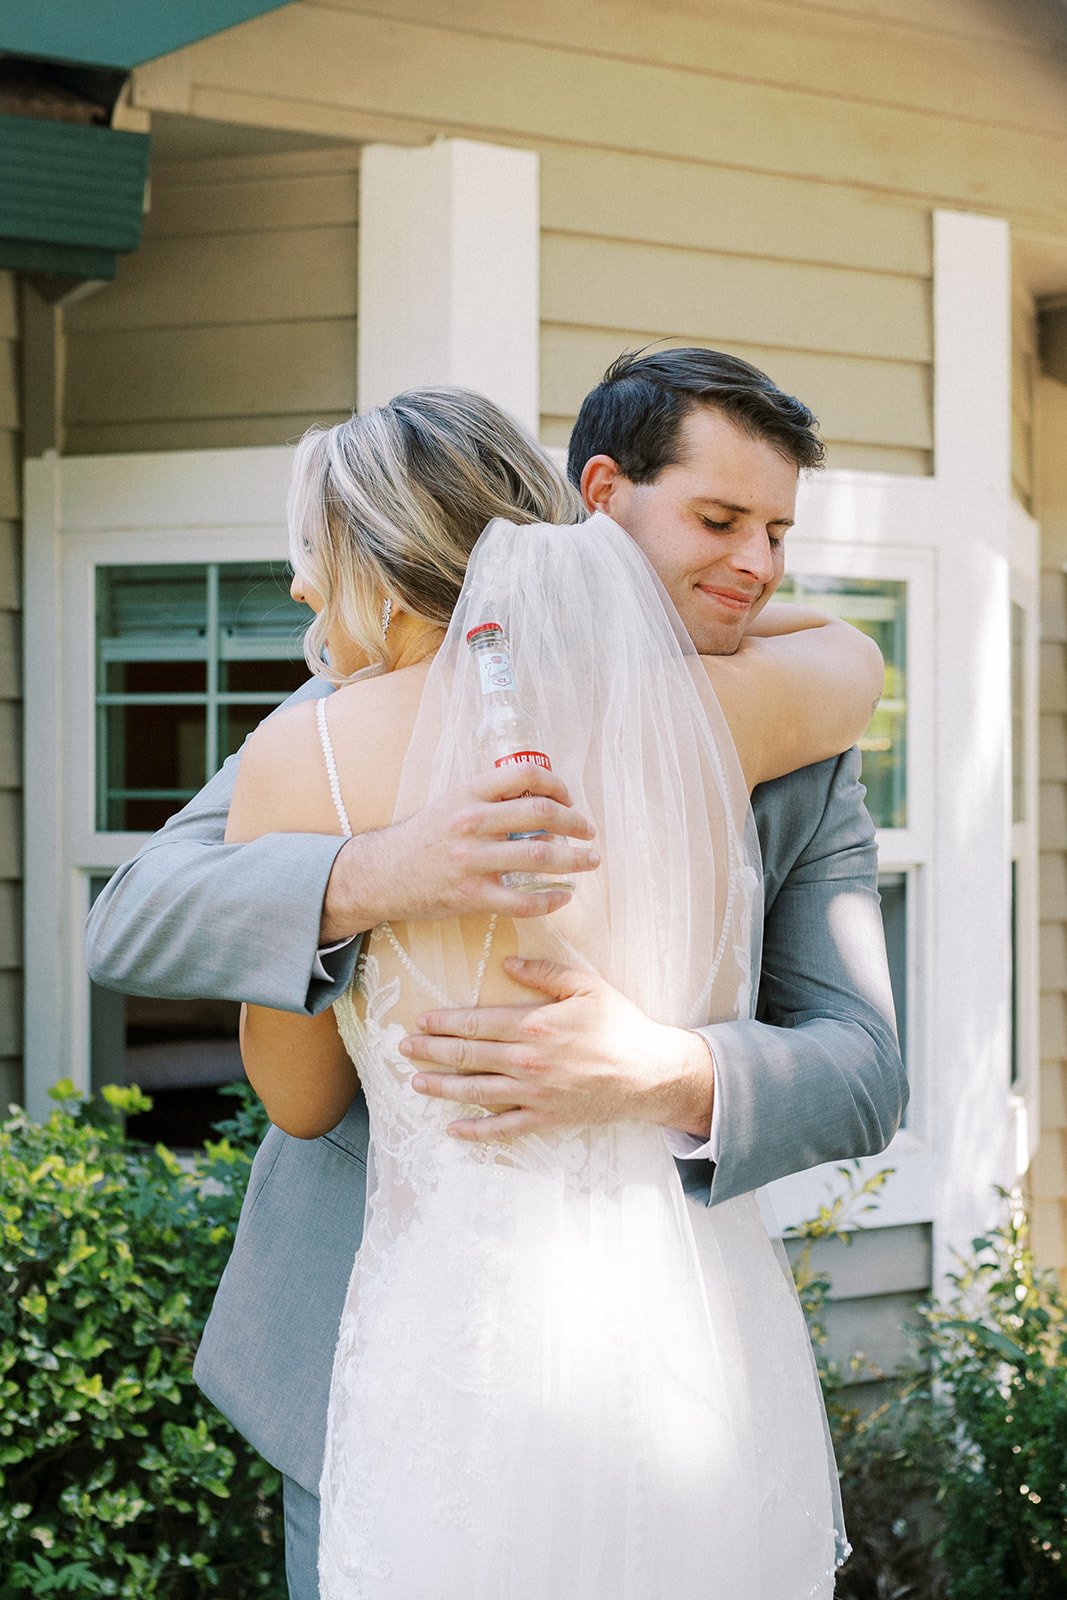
331 765
386 930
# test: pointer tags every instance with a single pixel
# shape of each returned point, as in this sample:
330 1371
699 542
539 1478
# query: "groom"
696 455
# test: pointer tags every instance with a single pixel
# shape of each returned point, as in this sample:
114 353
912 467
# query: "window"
895 741
189 659
180 1052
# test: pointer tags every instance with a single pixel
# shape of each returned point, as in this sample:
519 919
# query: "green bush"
994 1418
955 1488
117 1477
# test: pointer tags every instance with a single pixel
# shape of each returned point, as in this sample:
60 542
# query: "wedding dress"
557 1377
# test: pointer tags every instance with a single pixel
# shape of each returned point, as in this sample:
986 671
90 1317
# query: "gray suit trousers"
301 1541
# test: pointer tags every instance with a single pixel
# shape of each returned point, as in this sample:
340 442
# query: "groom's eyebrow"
743 511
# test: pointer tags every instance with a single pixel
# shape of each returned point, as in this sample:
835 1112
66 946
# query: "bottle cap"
484 627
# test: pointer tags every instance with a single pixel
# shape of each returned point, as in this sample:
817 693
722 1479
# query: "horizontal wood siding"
756 174
10 703
233 325
876 1282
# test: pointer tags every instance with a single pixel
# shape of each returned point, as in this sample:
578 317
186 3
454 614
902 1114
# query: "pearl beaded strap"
346 829
331 766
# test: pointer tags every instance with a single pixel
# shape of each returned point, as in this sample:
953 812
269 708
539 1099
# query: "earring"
387 612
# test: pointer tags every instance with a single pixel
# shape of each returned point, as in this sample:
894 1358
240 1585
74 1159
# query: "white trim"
46 1048
158 509
449 290
976 548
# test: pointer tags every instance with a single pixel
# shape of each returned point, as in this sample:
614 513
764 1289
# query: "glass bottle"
507 736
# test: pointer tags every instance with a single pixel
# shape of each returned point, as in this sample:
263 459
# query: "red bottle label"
534 758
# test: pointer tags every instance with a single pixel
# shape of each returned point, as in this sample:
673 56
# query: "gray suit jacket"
817 1078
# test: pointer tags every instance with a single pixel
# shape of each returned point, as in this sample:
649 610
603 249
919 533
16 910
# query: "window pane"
235 723
174 644
893 887
150 602
155 762
1018 709
879 608
261 631
179 1052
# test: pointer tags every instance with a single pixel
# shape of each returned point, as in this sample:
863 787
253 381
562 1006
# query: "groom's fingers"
468 1055
475 1022
493 1091
487 1130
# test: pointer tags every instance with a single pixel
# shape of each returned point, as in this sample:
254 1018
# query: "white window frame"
1025 1094
910 850
156 509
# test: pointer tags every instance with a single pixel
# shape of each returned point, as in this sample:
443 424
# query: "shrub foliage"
955 1487
117 1477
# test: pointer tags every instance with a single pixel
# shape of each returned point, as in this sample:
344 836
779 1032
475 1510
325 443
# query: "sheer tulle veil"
673 915
605 1387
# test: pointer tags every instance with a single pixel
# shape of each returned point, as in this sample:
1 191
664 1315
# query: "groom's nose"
754 554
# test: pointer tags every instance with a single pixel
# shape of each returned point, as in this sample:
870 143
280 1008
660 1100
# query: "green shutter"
70 196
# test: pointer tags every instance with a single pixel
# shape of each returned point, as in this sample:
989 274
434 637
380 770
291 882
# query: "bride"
556 1378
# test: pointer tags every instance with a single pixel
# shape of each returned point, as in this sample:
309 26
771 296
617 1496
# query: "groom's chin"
718 638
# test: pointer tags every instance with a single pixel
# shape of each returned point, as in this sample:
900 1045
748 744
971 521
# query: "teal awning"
70 196
118 33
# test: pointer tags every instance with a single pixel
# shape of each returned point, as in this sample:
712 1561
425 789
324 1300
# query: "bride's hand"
448 859
589 1056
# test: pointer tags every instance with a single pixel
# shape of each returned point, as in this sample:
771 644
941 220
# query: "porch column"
448 272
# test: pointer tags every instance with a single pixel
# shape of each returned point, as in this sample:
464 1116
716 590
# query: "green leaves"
117 1477
968 1453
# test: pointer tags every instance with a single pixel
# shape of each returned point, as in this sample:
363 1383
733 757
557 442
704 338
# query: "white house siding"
235 322
10 696
1048 1174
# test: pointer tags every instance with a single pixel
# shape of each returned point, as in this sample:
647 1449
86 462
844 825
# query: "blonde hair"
390 504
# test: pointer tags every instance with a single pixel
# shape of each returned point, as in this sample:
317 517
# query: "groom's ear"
601 483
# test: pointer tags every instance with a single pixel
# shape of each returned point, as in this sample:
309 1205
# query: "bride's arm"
297 1065
800 688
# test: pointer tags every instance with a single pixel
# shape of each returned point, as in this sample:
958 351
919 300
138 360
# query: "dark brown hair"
635 414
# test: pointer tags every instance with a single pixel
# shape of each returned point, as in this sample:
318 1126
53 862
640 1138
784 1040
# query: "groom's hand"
448 859
587 1056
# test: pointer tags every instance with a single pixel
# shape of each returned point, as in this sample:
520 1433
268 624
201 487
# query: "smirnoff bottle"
507 736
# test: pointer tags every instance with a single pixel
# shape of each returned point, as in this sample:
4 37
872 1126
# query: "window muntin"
189 659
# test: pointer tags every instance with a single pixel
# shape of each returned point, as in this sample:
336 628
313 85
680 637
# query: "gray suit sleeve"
819 1076
191 917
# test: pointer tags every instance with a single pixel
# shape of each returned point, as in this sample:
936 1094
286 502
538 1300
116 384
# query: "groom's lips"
735 599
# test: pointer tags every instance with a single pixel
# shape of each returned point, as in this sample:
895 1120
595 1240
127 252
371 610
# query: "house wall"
10 698
235 322
757 174
754 173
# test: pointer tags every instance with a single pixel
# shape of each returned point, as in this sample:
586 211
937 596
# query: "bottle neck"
495 674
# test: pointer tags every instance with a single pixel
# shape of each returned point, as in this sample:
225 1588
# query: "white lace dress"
556 1377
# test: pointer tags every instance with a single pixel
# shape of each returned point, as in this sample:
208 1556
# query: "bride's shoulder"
278 787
